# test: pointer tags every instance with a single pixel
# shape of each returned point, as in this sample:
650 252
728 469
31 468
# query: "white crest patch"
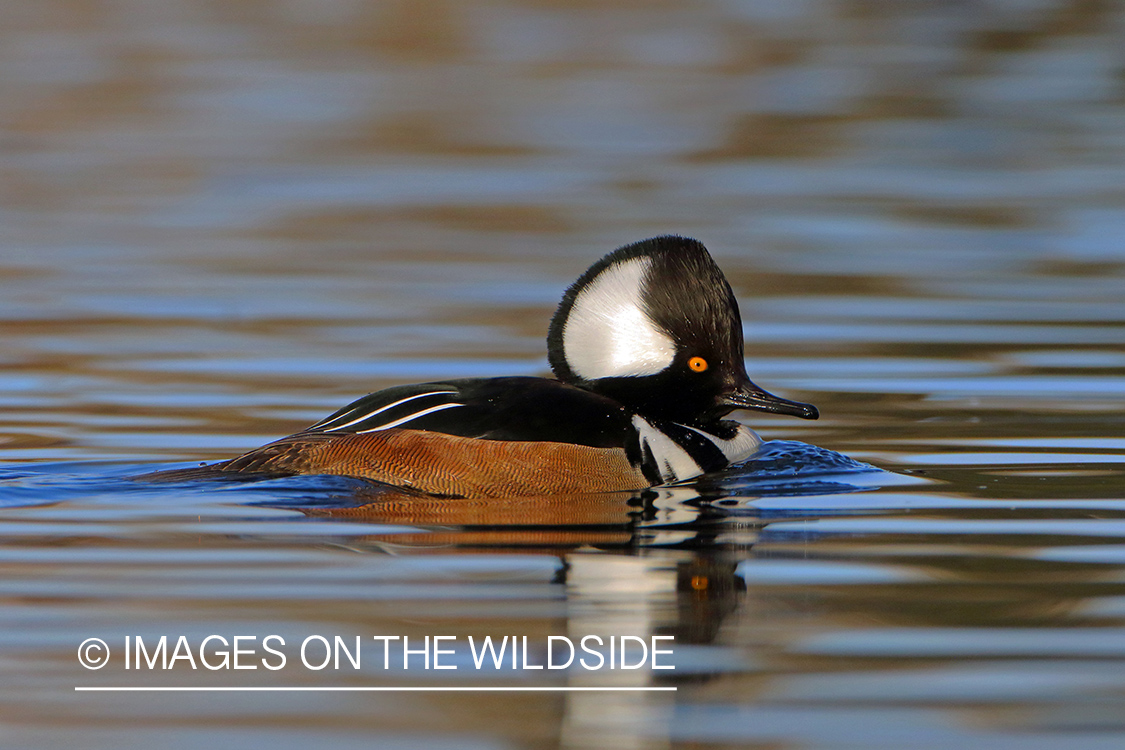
608 334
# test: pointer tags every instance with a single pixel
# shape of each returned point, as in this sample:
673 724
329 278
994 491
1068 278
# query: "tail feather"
205 472
282 458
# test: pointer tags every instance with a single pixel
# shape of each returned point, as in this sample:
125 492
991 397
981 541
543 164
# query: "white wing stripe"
380 410
410 417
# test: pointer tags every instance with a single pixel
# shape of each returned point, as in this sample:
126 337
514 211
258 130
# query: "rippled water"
219 223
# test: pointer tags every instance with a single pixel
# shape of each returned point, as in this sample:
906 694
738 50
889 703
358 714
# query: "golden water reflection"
220 222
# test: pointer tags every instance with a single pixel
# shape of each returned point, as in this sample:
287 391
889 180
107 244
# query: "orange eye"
697 364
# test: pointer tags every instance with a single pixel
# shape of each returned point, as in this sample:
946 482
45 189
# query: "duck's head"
655 326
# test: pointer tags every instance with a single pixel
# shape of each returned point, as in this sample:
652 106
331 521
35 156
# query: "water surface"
220 223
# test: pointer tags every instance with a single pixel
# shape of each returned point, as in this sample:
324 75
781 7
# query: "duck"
647 352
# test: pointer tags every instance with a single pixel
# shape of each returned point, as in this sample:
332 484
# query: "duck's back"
474 437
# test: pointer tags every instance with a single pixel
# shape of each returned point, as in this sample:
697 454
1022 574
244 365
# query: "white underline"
377 689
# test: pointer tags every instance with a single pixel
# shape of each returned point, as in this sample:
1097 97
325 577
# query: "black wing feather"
533 409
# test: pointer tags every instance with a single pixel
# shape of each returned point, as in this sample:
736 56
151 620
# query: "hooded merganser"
647 349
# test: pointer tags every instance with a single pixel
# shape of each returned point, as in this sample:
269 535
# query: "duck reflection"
666 518
637 565
552 522
657 561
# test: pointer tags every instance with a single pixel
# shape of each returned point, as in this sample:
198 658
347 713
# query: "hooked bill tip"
754 398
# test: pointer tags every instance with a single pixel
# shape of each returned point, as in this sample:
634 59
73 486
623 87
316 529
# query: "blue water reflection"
220 222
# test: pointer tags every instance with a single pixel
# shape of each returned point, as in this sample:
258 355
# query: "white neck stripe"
672 461
740 447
